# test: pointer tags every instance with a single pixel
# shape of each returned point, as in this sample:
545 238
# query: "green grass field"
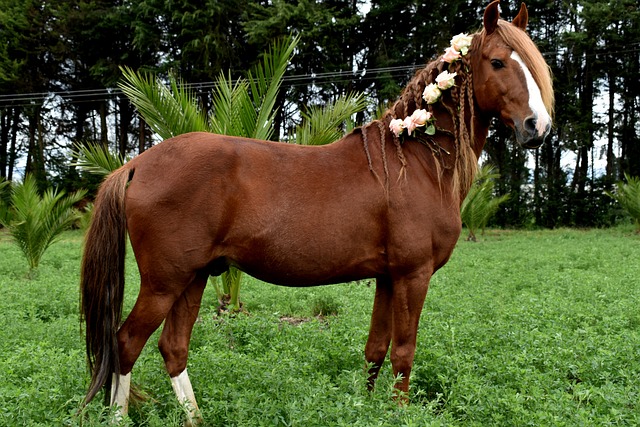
522 328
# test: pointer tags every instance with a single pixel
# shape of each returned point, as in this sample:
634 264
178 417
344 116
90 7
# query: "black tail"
102 280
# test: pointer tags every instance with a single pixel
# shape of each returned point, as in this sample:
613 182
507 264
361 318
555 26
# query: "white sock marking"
184 392
122 398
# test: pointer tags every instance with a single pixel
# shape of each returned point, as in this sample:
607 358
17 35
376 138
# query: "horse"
381 203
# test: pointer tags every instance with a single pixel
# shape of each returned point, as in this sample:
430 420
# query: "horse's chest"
426 235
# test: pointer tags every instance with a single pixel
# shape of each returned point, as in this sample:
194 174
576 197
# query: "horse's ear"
491 16
522 19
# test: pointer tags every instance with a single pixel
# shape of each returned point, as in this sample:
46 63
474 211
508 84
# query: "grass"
522 328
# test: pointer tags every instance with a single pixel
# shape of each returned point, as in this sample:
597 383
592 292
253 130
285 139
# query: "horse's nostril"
530 124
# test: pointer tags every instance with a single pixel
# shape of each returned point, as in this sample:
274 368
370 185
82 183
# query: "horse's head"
510 77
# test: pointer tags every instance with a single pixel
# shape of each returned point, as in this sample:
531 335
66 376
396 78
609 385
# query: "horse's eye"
496 63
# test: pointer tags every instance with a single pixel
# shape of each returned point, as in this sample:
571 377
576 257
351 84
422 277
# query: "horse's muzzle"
530 134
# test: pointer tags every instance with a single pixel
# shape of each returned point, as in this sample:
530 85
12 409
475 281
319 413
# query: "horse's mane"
458 104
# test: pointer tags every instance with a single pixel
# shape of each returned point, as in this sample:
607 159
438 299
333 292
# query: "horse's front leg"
380 329
409 293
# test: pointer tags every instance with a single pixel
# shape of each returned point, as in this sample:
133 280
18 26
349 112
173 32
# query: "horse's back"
285 213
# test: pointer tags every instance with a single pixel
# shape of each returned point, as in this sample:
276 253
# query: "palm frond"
266 79
246 107
233 111
221 119
169 110
481 204
96 159
325 125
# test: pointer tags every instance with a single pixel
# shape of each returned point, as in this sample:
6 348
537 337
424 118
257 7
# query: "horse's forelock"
531 56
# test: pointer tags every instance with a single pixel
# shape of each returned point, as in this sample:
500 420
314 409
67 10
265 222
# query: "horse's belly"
311 264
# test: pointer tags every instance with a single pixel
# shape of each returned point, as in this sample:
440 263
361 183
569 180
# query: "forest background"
60 64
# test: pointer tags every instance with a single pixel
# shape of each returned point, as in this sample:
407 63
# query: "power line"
107 93
102 94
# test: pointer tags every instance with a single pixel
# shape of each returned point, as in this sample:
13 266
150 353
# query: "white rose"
446 80
396 126
431 93
461 43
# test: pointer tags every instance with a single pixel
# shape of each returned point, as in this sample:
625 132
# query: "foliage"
628 195
169 111
481 204
38 221
248 107
227 288
5 212
323 125
524 328
96 159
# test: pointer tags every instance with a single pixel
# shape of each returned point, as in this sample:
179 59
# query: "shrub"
37 221
5 212
480 204
628 195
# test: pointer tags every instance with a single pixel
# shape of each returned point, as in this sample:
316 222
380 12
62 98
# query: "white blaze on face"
543 120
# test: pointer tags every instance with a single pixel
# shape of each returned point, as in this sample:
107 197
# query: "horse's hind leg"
174 344
146 316
380 329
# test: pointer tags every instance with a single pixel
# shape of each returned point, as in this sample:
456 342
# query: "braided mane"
457 102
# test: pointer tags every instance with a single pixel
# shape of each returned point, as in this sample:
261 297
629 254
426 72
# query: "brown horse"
371 205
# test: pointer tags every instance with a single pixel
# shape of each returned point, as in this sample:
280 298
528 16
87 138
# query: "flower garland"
460 45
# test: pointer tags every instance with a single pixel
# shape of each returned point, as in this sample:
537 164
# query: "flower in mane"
450 55
460 45
431 93
397 126
418 119
446 80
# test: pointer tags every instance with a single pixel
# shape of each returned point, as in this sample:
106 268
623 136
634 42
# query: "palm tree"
628 195
480 204
245 107
37 221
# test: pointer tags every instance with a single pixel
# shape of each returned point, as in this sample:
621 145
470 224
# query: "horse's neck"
457 138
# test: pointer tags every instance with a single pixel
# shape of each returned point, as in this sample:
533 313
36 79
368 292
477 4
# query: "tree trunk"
141 135
35 152
126 115
104 129
5 124
611 159
13 154
629 138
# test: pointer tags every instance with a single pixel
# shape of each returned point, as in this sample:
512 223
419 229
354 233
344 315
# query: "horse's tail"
102 280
